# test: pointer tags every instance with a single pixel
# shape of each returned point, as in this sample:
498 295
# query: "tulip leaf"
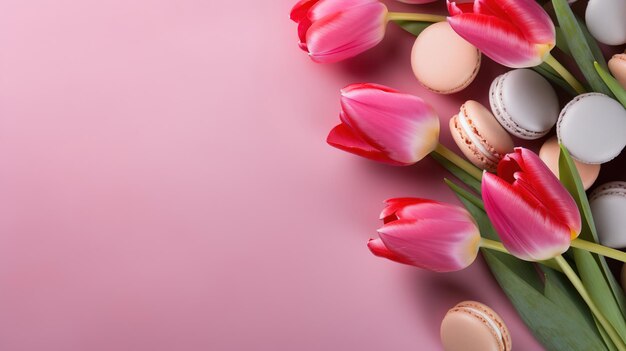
561 43
458 172
549 73
612 83
593 44
593 279
568 174
578 45
413 27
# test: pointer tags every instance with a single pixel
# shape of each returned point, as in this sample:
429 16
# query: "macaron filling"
612 188
471 134
490 322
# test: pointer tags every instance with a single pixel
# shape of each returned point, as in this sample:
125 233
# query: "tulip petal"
347 33
526 231
435 244
402 126
378 248
344 138
531 177
432 209
330 7
457 8
301 9
527 15
396 204
498 39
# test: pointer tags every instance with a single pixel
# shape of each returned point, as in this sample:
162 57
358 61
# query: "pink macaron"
473 326
442 61
479 136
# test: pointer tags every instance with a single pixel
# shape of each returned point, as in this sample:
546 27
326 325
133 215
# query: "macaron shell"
617 66
487 129
549 154
442 61
462 329
606 21
524 103
608 206
593 128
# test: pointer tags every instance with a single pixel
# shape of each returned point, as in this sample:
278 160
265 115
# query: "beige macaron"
473 326
479 136
442 61
617 66
549 154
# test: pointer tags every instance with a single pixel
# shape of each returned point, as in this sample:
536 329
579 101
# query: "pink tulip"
530 209
427 234
332 30
417 1
514 33
385 125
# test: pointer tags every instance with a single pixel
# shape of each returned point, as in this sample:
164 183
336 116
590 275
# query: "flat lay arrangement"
554 249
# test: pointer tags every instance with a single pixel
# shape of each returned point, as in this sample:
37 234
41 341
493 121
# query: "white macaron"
593 128
606 20
524 103
608 205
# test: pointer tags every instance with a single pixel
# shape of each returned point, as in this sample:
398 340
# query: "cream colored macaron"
473 326
617 66
549 154
442 61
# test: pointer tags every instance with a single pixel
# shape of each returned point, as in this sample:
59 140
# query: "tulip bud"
385 125
514 33
332 31
427 234
534 215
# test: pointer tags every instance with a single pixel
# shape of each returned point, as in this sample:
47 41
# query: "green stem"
460 162
599 249
415 17
497 246
565 74
578 284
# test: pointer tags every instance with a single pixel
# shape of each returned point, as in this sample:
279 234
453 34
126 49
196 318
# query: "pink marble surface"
166 186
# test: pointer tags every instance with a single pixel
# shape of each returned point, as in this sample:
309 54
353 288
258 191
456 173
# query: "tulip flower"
334 30
534 215
385 125
427 234
514 33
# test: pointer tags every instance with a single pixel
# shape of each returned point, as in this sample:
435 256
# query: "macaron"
617 66
606 21
608 206
524 103
442 61
479 136
593 128
473 326
549 154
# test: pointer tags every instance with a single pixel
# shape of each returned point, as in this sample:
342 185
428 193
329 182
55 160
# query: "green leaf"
549 73
568 174
413 27
457 172
593 279
561 43
578 45
557 328
593 44
612 83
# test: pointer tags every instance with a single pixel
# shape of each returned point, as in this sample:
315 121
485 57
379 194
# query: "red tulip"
514 33
332 30
427 234
534 215
385 125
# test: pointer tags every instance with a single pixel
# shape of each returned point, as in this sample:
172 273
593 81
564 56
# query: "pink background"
166 186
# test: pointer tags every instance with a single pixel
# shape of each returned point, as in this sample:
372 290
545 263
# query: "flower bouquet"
532 223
